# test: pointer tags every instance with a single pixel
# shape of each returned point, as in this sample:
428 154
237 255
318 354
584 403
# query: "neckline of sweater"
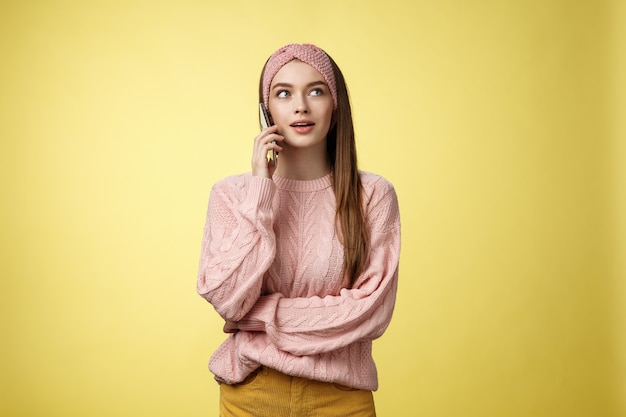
290 184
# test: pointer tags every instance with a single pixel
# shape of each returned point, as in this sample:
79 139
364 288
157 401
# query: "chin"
304 143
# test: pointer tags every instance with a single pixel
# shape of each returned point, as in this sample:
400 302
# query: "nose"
301 105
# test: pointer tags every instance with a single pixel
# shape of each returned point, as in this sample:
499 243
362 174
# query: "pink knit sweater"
272 263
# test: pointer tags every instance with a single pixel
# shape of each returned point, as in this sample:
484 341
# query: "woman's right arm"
239 244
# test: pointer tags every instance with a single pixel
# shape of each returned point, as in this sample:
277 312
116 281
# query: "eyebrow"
309 85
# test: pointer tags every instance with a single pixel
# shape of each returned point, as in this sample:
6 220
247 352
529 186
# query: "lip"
302 126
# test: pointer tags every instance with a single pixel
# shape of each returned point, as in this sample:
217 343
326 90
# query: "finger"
270 129
271 137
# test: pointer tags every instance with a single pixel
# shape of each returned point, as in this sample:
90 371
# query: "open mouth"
302 127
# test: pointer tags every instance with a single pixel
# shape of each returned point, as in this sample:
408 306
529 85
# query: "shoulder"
234 180
380 203
244 189
376 187
233 183
232 188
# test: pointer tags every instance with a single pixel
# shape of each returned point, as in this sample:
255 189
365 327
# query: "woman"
300 258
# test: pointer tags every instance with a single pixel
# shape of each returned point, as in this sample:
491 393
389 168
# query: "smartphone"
265 123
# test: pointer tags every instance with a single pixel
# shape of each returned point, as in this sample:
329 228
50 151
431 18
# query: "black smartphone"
266 122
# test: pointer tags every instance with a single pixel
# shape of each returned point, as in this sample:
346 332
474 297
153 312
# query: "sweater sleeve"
238 246
308 326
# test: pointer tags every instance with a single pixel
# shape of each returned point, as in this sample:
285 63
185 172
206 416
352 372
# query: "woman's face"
301 105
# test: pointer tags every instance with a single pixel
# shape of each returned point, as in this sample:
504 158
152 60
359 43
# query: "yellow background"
501 123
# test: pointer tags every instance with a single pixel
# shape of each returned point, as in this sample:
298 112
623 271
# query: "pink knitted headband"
307 53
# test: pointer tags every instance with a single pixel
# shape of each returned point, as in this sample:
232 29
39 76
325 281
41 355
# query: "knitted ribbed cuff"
261 314
261 192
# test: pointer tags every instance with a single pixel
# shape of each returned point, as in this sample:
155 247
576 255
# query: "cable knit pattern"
272 263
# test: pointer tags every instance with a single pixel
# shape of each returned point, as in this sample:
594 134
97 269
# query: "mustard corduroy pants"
267 392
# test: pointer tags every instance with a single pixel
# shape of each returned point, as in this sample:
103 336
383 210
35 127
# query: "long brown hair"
350 222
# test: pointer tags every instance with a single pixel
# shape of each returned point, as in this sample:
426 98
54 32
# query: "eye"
317 92
282 94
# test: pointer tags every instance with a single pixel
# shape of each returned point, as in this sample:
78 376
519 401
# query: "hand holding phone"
265 123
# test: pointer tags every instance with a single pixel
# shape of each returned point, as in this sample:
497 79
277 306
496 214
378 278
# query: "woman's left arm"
308 326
